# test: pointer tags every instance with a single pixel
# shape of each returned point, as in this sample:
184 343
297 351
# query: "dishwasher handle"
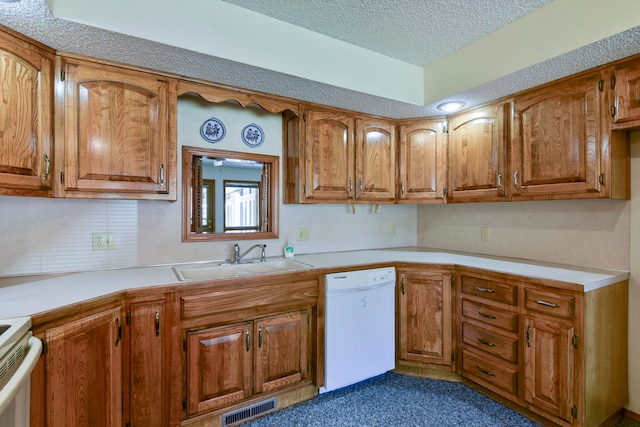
22 375
348 290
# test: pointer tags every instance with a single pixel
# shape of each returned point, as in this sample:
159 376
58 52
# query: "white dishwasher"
359 326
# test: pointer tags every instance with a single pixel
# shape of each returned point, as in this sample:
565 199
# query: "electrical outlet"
394 230
485 234
303 234
103 241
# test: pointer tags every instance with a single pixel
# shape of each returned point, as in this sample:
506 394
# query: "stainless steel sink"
219 270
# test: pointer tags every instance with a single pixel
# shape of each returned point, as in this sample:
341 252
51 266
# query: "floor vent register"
243 414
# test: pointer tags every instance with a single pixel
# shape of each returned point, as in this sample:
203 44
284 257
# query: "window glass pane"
241 206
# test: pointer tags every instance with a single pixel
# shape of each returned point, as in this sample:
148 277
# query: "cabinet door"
116 132
556 147
84 371
218 366
330 156
425 317
422 162
375 161
26 109
147 404
477 141
549 366
282 351
627 92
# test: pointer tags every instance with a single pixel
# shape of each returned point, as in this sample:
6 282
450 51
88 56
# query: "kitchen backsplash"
43 236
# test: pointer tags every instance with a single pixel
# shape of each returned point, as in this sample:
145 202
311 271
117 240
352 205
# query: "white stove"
19 352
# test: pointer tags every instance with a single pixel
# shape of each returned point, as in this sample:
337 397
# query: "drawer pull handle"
486 316
490 344
546 304
484 371
485 290
248 339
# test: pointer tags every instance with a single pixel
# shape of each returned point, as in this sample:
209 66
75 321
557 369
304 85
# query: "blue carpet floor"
397 400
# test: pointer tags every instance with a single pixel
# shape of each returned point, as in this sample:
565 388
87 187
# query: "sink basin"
217 270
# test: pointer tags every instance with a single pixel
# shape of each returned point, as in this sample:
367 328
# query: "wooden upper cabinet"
329 156
556 151
626 90
118 128
375 160
26 109
477 146
348 159
422 161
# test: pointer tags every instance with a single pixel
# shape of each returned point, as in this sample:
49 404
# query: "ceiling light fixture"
451 106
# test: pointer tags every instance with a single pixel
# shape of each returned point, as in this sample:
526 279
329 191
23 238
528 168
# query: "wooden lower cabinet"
147 363
230 363
425 314
549 366
488 330
281 355
245 343
547 346
84 371
218 366
104 365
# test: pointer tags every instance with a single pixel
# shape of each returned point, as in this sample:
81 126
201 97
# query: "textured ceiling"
417 32
34 19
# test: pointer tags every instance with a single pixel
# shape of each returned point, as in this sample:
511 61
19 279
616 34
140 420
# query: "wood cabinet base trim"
286 398
433 371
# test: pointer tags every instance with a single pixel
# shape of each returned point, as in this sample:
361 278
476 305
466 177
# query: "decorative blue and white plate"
213 130
253 135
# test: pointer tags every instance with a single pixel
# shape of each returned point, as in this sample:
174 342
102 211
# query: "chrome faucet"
237 257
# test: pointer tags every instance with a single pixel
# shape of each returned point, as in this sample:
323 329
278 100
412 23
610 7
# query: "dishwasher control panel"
359 279
381 276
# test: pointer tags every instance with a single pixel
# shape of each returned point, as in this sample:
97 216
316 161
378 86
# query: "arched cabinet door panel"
557 140
477 154
26 111
422 160
117 127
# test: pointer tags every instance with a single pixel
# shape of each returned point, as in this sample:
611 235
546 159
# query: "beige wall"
596 233
581 232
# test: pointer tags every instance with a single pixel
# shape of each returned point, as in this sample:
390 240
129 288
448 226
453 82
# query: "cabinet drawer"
503 347
490 290
489 374
490 315
558 305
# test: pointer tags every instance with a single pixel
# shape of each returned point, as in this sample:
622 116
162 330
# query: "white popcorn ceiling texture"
419 32
431 30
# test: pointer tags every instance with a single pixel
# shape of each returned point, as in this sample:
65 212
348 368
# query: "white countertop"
26 296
